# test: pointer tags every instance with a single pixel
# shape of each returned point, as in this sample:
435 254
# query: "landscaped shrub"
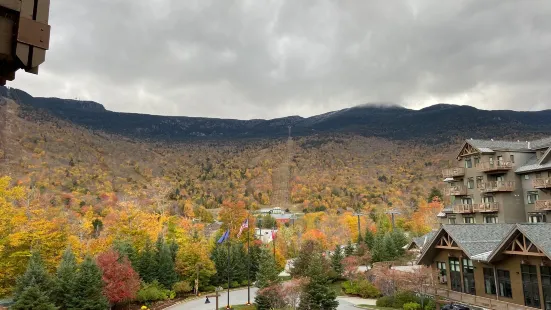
385 301
234 284
208 288
271 297
153 292
431 305
182 288
404 297
412 306
362 288
244 283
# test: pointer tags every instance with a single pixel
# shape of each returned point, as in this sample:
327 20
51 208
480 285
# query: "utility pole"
229 250
359 228
392 213
273 240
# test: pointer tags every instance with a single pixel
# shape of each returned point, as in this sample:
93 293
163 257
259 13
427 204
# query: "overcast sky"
266 59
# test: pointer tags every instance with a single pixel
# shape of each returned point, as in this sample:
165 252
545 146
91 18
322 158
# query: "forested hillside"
64 184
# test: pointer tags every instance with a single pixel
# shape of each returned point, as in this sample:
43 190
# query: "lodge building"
499 182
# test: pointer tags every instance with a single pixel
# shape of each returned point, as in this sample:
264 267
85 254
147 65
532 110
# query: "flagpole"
273 239
228 267
248 261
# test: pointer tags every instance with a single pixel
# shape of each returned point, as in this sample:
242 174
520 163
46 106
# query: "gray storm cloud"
266 59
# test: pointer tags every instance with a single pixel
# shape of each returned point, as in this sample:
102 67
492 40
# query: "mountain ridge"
436 123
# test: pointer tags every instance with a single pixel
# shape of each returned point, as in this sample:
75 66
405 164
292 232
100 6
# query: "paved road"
240 297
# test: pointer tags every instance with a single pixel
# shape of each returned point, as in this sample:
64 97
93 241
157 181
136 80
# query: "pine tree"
317 294
34 275
389 247
267 273
349 249
400 240
33 298
378 251
64 280
369 239
87 293
336 261
303 260
255 252
125 248
166 273
147 263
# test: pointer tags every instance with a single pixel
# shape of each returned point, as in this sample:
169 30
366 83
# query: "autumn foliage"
121 282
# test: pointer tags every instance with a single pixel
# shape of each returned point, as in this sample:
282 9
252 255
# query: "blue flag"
224 237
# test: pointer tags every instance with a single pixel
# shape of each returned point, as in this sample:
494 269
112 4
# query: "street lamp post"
359 228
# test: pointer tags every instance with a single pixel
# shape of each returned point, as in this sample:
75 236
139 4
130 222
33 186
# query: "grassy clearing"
375 307
240 307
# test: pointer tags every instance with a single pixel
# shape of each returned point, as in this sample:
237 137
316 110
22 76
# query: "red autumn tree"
121 282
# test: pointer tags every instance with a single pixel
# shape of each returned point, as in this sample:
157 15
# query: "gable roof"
541 143
477 241
499 145
538 233
534 164
420 242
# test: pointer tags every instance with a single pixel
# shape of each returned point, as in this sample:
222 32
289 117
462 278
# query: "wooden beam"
523 253
447 247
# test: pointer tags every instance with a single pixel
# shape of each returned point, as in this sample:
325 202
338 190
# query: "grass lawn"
240 307
375 307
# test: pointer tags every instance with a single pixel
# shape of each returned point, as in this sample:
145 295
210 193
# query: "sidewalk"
358 301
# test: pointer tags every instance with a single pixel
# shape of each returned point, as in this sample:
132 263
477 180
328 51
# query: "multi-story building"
499 182
491 266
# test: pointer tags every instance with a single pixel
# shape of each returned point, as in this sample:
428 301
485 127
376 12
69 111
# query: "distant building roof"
420 242
210 229
533 164
476 239
541 143
493 145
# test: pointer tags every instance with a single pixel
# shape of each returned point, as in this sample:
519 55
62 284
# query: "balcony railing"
456 190
498 186
446 295
486 207
494 166
543 205
453 172
463 209
542 183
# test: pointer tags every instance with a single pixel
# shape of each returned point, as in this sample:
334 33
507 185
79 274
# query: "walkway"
239 297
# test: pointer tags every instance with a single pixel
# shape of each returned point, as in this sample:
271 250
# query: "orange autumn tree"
232 216
425 218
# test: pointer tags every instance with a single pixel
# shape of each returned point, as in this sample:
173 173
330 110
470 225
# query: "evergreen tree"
125 248
267 273
33 298
174 249
336 261
317 294
349 249
369 239
389 247
64 280
238 262
87 293
303 260
400 240
34 275
434 192
378 250
166 273
148 264
255 261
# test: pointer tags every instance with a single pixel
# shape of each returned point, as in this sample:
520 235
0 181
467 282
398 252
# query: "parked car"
455 307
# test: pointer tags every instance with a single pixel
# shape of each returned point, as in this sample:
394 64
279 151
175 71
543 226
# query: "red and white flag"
243 226
273 234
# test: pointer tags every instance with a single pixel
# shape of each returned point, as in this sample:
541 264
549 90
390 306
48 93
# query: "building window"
455 274
527 177
504 283
538 175
500 160
470 183
532 197
451 220
468 163
536 218
476 161
512 159
500 178
467 201
488 199
479 182
468 276
490 219
442 273
546 285
468 220
489 281
530 285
